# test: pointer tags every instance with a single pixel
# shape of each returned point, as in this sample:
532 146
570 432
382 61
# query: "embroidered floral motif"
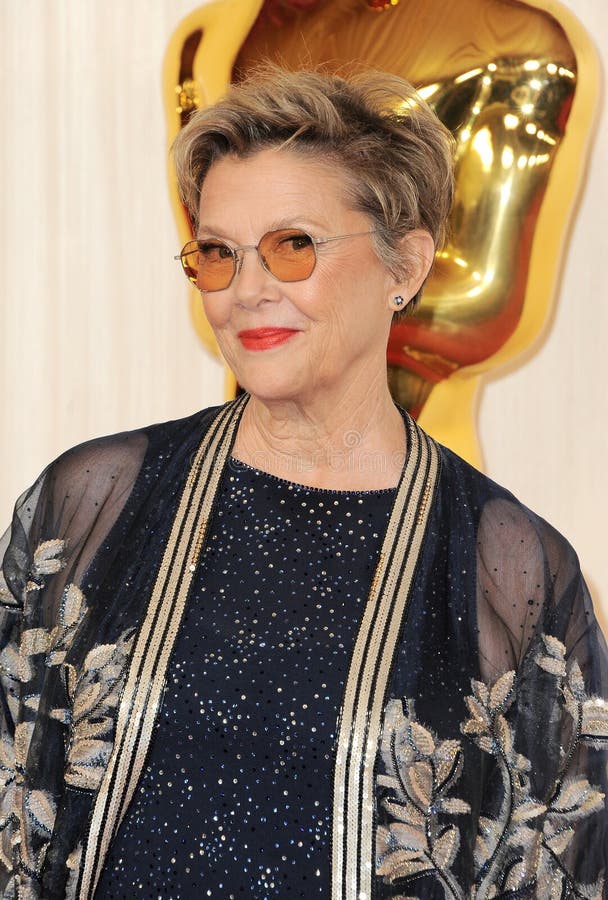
48 558
6 598
94 695
72 611
419 774
36 828
27 817
520 850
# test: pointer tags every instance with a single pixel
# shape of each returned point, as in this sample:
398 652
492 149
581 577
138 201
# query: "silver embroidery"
27 817
95 697
520 849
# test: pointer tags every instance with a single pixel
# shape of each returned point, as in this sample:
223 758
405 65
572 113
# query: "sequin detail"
521 850
235 799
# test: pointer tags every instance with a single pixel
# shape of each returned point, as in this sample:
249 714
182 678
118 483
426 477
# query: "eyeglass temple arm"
339 237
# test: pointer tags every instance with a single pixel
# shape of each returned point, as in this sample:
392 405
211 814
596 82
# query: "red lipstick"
264 338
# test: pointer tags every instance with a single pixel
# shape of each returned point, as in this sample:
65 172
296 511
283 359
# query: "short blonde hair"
395 153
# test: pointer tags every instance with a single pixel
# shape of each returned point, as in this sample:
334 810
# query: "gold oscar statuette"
518 89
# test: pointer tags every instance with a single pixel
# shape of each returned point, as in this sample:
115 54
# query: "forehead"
273 184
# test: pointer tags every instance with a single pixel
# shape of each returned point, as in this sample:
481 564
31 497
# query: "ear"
418 250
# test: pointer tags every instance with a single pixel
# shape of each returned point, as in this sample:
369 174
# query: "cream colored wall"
544 425
94 318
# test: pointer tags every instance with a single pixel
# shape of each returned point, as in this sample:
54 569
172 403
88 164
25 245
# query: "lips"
264 338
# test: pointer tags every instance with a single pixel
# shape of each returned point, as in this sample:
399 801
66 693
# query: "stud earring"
398 300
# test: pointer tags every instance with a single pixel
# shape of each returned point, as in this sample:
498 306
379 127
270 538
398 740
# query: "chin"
269 389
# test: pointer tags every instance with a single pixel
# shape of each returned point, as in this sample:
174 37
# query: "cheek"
345 302
325 300
217 313
225 330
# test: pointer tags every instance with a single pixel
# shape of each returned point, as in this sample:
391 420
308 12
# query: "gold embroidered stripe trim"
154 644
353 830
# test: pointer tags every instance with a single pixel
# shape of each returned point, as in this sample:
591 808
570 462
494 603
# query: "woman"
289 646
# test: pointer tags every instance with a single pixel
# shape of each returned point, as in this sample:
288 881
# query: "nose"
252 284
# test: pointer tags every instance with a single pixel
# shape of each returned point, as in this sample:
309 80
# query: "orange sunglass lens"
288 254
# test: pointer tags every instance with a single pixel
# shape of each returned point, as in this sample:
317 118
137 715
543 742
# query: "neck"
345 440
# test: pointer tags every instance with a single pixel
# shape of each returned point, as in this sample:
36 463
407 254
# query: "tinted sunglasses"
288 254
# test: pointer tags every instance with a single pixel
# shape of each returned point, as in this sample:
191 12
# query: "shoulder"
111 456
100 474
80 496
505 526
527 580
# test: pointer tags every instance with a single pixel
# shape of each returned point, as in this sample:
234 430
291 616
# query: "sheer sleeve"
541 708
58 527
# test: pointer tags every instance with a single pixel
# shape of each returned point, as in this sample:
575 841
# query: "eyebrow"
292 221
208 229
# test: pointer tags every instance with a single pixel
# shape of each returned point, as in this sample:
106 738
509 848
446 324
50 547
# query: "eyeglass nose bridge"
239 257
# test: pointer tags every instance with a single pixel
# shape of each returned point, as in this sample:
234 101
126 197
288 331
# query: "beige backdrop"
94 317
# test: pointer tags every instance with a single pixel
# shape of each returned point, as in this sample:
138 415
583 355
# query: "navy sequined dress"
236 797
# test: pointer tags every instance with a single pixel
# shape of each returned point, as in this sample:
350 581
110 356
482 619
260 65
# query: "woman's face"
340 314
